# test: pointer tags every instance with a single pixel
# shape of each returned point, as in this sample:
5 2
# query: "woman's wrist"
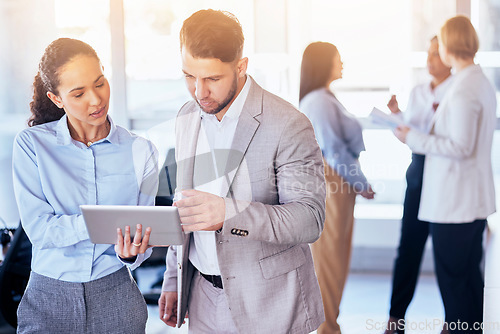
128 259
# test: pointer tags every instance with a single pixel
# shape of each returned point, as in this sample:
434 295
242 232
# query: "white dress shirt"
214 135
423 98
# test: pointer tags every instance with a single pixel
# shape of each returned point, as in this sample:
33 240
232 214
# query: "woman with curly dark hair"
73 154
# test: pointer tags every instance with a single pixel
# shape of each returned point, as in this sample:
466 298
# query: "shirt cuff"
83 233
138 260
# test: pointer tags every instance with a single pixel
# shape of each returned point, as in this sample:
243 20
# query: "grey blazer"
275 207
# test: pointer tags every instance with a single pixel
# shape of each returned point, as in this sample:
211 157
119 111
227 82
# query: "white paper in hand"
381 118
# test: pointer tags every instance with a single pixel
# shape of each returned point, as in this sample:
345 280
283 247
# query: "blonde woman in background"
458 192
423 102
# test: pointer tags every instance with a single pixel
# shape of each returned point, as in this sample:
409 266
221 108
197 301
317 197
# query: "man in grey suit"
250 188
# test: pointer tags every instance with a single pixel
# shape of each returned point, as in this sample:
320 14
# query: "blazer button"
179 265
239 232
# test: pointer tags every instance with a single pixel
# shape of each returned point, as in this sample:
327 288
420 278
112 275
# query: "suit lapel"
245 131
188 129
440 110
439 113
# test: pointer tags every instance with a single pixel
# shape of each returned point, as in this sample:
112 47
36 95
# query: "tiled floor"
365 307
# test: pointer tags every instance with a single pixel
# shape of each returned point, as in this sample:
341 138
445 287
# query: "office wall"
26 27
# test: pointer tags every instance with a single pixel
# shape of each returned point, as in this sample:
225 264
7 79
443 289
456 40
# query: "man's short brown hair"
213 34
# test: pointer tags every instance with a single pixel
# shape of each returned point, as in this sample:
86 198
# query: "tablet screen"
103 220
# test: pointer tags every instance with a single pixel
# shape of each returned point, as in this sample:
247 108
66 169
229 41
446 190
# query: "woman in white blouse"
458 191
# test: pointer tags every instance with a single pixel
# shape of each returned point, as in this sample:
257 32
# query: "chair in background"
14 274
165 197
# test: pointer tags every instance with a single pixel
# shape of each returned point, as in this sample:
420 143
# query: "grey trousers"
208 309
112 304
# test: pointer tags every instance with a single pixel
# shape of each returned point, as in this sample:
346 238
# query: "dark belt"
216 280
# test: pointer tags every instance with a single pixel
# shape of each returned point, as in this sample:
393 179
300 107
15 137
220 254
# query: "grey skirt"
112 304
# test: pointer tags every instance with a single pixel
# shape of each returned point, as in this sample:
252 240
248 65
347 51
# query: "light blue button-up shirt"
339 135
54 174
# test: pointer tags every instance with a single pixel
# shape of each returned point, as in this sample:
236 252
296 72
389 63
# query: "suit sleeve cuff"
233 209
169 282
414 140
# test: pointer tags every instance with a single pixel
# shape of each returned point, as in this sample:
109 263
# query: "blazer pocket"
283 262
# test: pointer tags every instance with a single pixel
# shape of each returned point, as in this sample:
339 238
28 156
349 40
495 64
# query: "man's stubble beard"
226 101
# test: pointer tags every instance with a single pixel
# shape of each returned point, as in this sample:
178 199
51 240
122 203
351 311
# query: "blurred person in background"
73 154
458 192
423 102
339 135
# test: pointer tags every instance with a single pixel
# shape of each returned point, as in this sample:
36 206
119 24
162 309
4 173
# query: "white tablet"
103 220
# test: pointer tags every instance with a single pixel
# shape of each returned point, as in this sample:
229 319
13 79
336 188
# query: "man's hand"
401 132
168 308
201 211
393 105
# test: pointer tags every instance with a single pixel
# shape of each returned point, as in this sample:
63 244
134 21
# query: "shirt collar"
113 136
442 87
64 137
236 107
62 130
